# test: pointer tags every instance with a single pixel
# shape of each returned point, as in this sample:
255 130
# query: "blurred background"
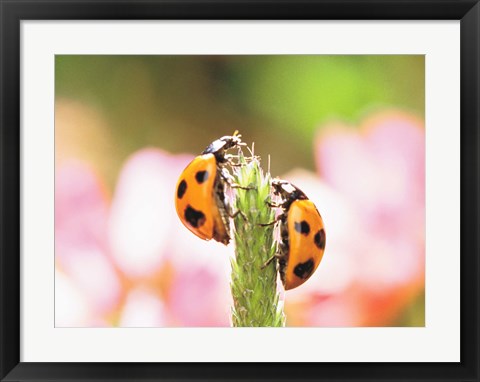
347 130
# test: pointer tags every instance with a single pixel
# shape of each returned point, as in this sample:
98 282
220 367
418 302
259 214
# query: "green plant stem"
254 290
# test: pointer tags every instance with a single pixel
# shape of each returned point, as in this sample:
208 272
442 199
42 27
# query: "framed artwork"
239 191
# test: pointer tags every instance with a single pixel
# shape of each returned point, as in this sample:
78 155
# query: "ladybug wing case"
194 198
306 242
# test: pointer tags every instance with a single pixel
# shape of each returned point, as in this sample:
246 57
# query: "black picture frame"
13 11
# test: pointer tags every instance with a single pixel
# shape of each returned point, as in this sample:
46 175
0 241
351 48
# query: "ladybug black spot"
201 176
304 270
319 239
182 188
194 217
303 228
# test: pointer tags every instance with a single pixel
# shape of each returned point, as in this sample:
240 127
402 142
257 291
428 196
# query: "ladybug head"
223 144
278 187
231 141
287 190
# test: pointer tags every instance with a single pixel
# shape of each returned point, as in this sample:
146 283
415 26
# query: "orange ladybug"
200 193
302 232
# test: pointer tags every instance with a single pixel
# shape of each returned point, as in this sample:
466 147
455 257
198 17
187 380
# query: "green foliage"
254 291
281 101
298 92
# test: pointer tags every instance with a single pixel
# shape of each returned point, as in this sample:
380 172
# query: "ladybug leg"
235 185
238 212
227 177
229 180
229 159
283 205
277 219
267 263
282 249
275 256
274 205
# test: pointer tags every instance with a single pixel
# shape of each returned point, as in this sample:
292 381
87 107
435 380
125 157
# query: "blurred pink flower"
142 308
132 263
71 307
141 216
78 189
381 169
200 295
371 194
81 211
200 298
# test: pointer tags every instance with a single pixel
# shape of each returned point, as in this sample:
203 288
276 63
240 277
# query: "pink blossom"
199 298
134 259
143 308
142 213
381 169
371 194
81 206
71 307
81 210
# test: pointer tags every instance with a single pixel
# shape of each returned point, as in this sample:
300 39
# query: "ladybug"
200 193
302 235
